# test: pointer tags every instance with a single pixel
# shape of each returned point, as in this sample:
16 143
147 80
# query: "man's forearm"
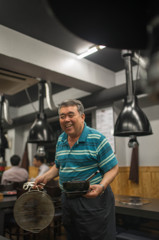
109 176
52 173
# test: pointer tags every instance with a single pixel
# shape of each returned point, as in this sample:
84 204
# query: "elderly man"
80 152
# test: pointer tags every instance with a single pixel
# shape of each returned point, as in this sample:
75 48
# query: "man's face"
71 121
36 163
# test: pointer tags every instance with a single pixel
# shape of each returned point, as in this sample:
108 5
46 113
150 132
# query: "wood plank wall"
148 186
33 172
148 183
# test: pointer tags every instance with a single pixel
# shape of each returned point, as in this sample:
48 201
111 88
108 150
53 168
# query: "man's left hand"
94 191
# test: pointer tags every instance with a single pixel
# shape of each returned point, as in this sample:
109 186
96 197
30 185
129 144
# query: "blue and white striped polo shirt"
90 153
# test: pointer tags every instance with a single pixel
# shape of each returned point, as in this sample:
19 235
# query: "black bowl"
78 186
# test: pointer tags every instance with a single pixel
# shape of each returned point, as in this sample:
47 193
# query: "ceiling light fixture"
41 151
90 51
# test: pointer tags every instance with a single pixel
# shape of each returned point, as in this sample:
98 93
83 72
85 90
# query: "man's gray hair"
72 102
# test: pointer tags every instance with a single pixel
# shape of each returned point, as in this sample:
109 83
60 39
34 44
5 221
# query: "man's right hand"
41 179
53 172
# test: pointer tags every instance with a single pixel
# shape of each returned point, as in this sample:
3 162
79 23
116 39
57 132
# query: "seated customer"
15 173
39 162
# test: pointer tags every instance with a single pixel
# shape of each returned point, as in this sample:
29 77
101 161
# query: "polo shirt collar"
83 136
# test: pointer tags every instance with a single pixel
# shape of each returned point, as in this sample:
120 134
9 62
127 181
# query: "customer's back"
15 173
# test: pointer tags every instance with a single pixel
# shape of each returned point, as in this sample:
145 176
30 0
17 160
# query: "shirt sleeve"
43 169
106 156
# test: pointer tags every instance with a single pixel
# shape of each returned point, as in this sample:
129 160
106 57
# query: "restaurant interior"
107 58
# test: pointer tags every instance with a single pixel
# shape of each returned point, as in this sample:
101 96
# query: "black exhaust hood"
41 131
132 120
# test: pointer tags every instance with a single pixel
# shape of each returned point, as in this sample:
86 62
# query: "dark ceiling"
31 17
34 18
